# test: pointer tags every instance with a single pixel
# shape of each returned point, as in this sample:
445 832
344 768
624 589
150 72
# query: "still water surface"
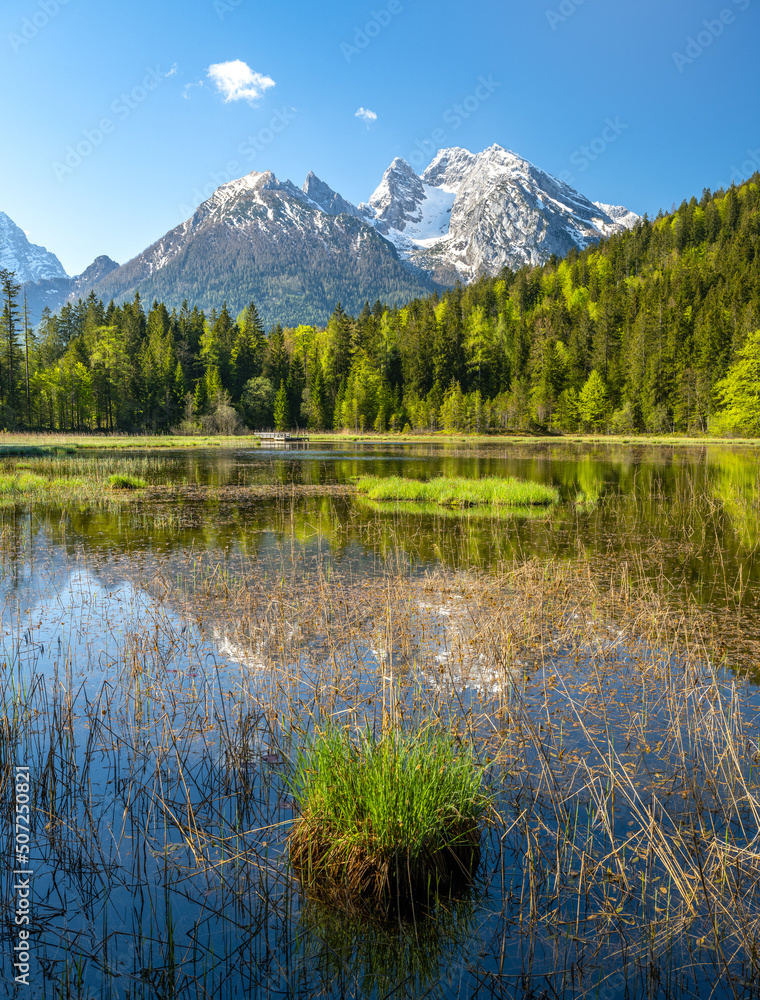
84 590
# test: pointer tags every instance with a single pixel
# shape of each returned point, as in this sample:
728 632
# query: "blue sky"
114 128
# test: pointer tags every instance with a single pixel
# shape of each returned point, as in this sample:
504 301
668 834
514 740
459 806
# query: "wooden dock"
298 439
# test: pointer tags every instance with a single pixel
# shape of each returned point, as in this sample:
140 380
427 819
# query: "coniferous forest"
653 330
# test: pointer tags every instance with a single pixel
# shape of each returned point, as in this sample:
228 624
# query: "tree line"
654 329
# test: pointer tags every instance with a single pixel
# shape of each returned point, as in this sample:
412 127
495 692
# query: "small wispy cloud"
366 115
236 81
188 87
172 71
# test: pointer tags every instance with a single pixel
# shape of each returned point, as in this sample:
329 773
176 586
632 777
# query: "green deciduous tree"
593 402
738 394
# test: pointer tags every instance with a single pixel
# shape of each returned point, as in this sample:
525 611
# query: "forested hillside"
653 329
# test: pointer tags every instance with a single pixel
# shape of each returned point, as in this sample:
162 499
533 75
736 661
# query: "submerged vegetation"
621 772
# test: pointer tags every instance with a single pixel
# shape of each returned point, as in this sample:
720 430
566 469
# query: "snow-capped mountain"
621 215
298 251
473 214
28 261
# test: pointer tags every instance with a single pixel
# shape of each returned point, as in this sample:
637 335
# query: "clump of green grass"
120 482
21 481
453 491
386 821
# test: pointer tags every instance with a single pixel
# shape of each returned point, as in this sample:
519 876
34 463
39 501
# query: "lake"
166 653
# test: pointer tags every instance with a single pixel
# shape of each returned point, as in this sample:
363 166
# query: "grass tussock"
387 820
120 482
454 491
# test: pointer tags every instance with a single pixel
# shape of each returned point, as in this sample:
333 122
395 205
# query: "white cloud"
366 115
236 81
172 71
188 87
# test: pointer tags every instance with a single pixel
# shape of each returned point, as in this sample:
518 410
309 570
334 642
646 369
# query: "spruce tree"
282 409
10 323
248 350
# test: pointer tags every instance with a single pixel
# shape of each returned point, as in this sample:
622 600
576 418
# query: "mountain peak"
328 200
475 213
29 261
396 199
297 250
448 168
99 268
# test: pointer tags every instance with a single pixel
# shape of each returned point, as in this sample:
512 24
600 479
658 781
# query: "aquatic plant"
119 482
453 491
386 820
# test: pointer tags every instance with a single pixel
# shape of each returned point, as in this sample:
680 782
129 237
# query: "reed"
166 725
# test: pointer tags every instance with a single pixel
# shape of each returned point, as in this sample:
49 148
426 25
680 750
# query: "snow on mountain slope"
472 214
297 251
264 239
324 197
620 214
30 262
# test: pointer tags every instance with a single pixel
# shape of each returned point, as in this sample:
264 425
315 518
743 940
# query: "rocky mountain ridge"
298 251
29 261
473 214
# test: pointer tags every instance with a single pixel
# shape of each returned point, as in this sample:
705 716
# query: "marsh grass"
452 491
57 477
386 821
121 482
34 451
621 855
